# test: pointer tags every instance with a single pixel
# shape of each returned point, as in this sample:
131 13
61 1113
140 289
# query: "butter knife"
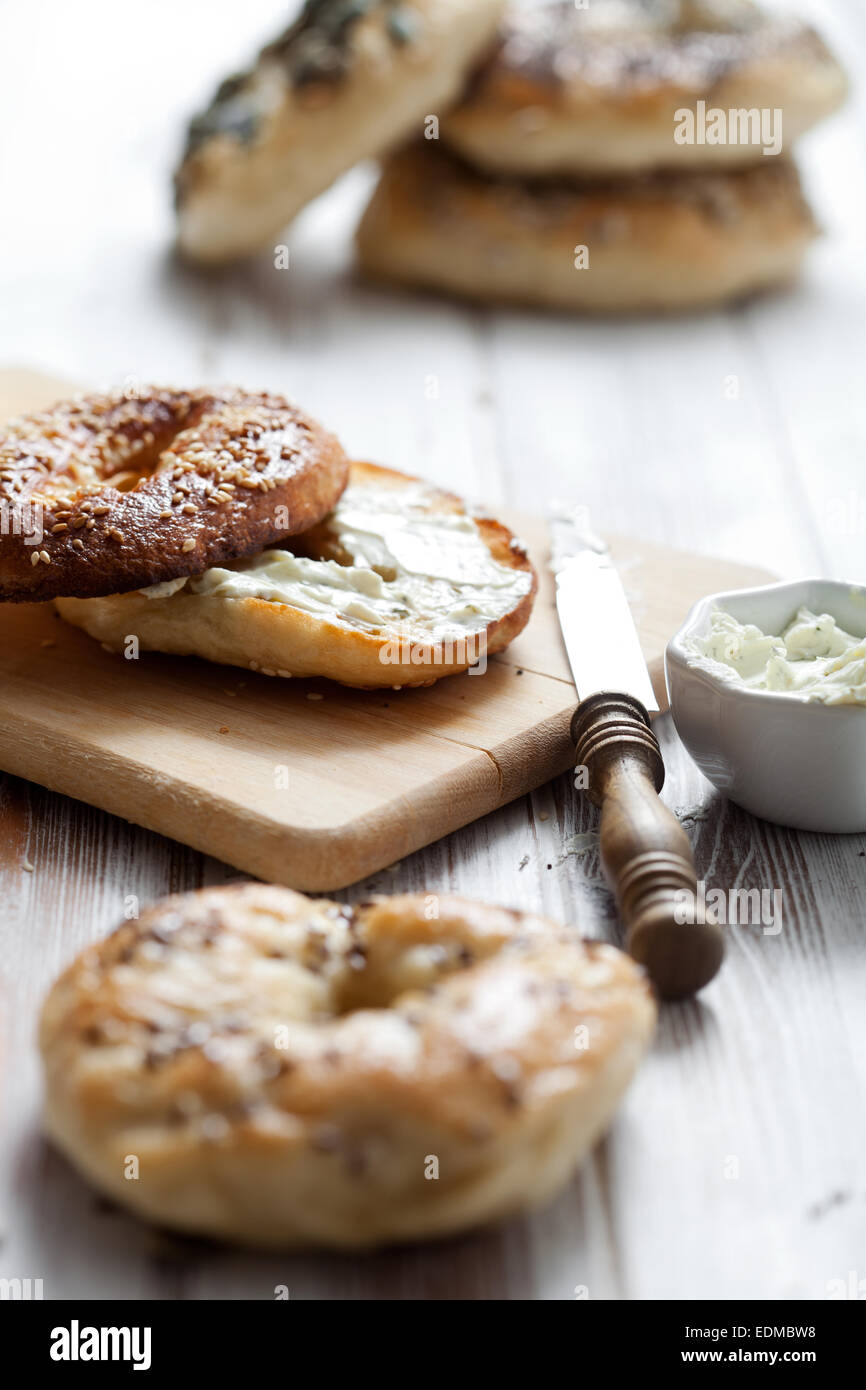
645 851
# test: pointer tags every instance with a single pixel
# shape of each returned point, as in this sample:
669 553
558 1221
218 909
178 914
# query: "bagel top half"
597 90
348 79
398 586
104 493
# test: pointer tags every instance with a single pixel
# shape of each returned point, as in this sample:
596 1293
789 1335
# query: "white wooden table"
735 1166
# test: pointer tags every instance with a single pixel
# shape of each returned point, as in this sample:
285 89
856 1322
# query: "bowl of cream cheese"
767 691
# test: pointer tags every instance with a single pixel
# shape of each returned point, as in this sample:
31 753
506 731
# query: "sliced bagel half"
399 586
346 81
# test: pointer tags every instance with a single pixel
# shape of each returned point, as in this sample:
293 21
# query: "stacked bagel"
230 525
618 155
578 172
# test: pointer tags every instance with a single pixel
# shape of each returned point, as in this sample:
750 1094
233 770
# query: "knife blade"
601 640
645 851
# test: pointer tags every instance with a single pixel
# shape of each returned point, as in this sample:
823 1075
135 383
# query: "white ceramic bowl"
797 762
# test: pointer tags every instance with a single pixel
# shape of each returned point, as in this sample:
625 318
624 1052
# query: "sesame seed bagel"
346 81
597 90
251 1064
128 492
398 586
657 242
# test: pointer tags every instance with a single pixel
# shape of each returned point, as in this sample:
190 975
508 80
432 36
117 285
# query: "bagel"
347 80
399 585
127 492
250 1064
660 242
597 90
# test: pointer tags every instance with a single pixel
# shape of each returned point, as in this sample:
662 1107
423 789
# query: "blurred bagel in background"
285 1069
657 243
346 81
596 90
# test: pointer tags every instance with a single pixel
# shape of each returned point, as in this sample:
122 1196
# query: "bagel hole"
417 967
122 482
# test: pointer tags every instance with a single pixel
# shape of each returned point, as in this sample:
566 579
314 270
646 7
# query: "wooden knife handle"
644 849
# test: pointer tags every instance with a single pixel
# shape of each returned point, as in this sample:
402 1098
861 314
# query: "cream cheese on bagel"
399 585
412 568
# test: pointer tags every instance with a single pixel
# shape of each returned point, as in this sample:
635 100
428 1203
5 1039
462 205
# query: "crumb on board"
224 729
523 863
28 867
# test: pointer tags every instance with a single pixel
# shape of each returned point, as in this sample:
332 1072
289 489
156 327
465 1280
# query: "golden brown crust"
657 242
281 639
596 90
284 1070
129 492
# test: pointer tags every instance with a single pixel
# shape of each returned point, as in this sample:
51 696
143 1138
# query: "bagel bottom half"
250 1064
661 242
398 586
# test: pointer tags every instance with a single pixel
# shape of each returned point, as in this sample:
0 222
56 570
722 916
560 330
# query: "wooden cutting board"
313 793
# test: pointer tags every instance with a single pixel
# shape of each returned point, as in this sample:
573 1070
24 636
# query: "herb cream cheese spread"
409 567
813 657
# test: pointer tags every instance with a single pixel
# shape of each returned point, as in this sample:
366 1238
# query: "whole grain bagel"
122 492
651 243
250 1064
346 81
398 586
596 90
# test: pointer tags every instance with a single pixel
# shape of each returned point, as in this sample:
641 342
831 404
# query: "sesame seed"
188 546
115 534
101 511
164 515
34 558
90 524
79 522
61 526
188 508
45 557
77 545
